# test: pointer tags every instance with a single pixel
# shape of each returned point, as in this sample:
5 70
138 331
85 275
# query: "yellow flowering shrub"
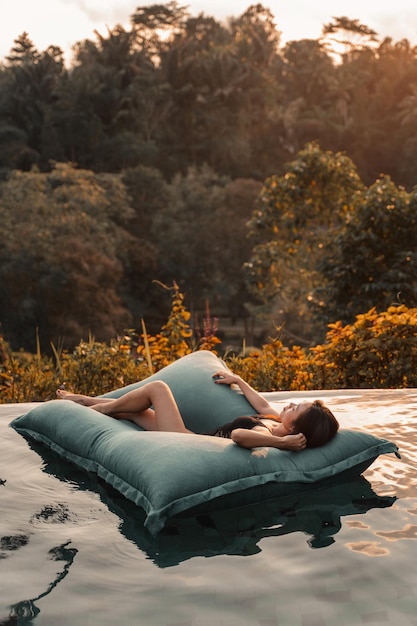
378 350
177 338
93 367
275 368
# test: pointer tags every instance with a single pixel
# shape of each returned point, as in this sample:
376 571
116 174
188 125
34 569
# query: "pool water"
74 552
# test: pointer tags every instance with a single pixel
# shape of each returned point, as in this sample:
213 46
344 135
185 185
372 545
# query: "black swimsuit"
247 422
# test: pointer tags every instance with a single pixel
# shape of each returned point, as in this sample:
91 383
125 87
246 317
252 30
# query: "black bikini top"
248 422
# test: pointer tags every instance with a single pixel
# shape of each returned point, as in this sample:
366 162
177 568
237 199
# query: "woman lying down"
153 407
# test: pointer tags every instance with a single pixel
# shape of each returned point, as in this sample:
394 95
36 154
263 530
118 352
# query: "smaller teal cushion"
204 406
169 473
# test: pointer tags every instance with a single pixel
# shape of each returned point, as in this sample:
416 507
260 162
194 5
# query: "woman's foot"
79 398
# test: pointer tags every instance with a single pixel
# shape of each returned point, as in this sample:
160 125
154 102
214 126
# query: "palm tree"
30 85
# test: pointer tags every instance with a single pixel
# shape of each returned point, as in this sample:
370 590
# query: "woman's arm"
255 439
259 403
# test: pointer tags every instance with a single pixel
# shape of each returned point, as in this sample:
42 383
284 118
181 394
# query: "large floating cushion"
169 473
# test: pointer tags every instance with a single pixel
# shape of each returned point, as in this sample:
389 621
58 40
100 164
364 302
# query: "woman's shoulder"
269 417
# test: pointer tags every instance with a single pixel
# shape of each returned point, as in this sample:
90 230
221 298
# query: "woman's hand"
226 378
294 442
259 404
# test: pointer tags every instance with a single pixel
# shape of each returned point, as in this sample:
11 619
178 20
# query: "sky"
64 22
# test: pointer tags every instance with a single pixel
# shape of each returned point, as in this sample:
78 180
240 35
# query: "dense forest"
275 184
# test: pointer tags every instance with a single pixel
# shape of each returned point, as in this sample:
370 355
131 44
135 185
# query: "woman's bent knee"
158 386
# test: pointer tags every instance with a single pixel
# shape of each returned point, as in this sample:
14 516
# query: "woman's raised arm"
258 402
255 439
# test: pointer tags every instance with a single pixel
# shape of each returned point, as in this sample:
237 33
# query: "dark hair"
317 423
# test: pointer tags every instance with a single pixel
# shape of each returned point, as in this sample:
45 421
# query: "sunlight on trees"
146 159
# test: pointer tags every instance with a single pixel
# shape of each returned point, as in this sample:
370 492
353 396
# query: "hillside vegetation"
274 184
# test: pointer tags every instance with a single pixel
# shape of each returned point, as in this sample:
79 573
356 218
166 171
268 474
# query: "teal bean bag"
169 473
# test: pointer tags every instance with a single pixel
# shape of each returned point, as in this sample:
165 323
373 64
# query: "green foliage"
296 218
194 205
256 35
274 368
174 339
159 16
174 90
94 367
165 117
28 95
177 337
378 351
201 230
79 250
23 375
63 246
373 259
350 34
221 84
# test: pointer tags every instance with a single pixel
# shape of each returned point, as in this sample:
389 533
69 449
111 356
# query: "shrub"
378 350
94 367
274 368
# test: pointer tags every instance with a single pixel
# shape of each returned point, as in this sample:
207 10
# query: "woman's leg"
152 407
79 398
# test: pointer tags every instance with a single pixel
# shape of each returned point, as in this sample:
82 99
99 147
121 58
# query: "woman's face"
291 412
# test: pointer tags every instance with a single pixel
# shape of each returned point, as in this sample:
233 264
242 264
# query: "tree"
296 217
186 230
307 79
204 79
201 234
65 249
148 194
370 87
30 85
114 83
221 81
150 20
347 36
373 261
256 36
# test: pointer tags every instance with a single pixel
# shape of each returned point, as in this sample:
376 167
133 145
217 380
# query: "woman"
153 407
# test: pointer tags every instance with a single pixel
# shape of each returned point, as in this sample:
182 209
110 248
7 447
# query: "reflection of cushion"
168 473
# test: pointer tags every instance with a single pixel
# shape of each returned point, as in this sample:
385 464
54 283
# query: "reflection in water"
357 524
239 531
368 548
23 612
409 532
